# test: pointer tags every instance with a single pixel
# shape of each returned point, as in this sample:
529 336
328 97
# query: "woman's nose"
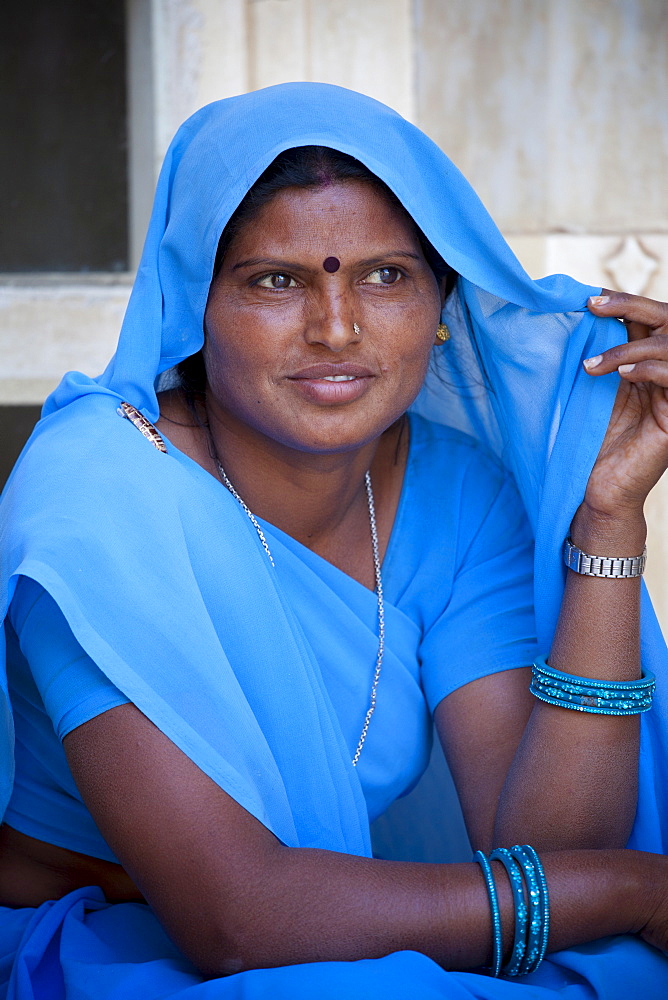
331 321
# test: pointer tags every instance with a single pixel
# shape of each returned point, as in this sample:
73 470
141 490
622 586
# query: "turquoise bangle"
534 938
586 694
497 939
514 963
544 903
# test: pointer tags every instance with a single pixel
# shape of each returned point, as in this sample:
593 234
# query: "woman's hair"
301 167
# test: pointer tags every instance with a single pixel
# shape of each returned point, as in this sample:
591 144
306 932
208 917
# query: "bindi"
331 264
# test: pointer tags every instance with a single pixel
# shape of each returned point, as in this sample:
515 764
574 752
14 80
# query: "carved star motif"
631 267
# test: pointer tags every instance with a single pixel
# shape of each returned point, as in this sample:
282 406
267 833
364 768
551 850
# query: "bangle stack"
532 908
585 694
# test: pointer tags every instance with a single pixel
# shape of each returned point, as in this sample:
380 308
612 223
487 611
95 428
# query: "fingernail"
592 362
625 369
599 300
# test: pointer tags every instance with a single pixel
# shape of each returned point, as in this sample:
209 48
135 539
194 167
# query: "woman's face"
281 353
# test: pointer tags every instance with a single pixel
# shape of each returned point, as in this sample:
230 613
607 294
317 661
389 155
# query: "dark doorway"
16 424
63 172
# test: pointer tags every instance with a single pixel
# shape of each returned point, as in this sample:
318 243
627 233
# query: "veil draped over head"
152 563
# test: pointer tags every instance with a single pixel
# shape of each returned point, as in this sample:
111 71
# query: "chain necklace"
253 519
379 590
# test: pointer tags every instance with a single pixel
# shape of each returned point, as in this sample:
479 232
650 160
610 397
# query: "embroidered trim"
143 425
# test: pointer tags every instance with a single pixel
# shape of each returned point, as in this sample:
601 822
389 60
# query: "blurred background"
556 111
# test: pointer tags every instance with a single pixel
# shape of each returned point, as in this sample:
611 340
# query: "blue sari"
100 520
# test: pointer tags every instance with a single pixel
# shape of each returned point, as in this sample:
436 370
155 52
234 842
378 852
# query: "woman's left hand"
634 453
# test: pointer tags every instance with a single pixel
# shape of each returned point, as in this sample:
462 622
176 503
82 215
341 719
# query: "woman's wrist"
641 884
601 534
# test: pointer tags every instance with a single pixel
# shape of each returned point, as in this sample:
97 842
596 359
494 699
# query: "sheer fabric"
100 519
459 542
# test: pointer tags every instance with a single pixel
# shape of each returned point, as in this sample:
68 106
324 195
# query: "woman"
193 606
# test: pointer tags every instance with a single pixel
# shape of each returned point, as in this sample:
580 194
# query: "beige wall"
556 110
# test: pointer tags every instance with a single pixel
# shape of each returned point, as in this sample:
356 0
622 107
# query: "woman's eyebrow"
293 265
270 262
370 261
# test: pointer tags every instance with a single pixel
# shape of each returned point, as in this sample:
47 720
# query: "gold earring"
442 334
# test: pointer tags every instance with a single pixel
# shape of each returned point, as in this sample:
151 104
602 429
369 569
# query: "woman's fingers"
646 371
648 350
633 309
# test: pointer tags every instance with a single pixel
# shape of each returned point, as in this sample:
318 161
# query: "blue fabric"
62 679
62 688
459 527
93 511
80 948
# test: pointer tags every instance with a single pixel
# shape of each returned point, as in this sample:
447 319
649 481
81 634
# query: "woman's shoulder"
92 457
89 474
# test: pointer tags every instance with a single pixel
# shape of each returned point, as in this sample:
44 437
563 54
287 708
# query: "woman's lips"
332 383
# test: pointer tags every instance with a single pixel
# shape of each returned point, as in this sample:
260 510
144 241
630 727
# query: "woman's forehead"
348 212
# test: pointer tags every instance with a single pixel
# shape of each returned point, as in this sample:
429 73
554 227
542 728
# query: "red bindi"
331 264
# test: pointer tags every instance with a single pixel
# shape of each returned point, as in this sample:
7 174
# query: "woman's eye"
277 280
384 276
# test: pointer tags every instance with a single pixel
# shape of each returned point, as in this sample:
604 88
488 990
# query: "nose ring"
356 330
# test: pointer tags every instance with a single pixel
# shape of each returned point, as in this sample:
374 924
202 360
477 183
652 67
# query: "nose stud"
356 330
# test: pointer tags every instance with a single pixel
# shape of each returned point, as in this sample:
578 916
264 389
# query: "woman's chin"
340 429
321 438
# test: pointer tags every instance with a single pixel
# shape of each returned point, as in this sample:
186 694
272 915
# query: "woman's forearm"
232 896
312 905
573 782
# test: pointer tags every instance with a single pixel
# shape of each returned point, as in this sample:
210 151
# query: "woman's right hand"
655 928
656 931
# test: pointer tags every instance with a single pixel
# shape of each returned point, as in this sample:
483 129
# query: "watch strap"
609 567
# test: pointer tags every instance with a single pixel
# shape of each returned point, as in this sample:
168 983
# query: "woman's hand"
634 453
653 926
655 931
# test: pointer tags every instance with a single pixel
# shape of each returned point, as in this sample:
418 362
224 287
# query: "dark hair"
301 167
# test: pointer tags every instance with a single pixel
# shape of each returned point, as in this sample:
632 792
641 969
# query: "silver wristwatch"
610 567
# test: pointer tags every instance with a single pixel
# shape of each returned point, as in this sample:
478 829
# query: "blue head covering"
100 519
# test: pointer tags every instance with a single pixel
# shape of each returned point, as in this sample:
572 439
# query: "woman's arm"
573 780
571 776
590 772
232 897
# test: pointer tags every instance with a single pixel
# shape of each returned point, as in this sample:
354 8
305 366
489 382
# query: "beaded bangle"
534 938
514 963
544 903
497 944
586 694
532 912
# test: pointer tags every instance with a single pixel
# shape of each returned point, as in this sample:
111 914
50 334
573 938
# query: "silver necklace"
253 519
379 591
